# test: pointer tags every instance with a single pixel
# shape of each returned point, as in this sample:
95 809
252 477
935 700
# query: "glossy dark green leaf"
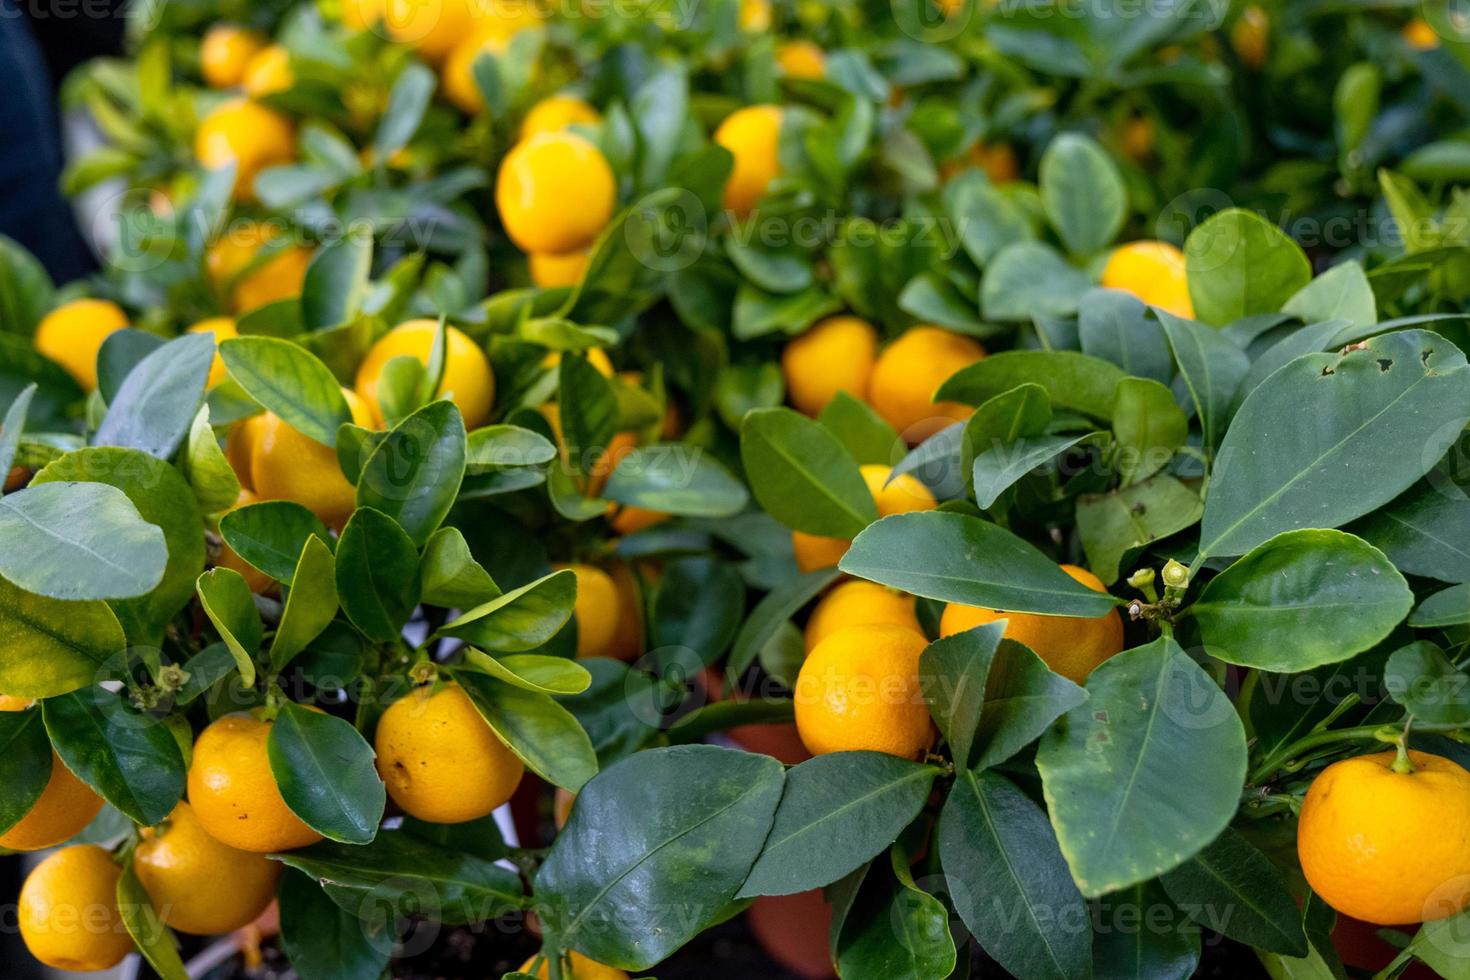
803 475
776 607
50 647
498 446
447 884
215 485
130 759
1238 264
862 799
957 558
25 763
324 769
1008 880
1022 699
952 674
163 498
12 425
1307 447
311 604
414 475
1116 327
324 941
227 601
676 827
1447 607
1110 768
1082 192
377 574
290 381
541 733
696 606
154 940
154 407
270 535
1302 599
336 282
521 619
1027 279
79 541
1231 874
1211 369
996 470
1420 531
620 711
1133 941
1112 525
532 672
205 669
449 574
587 408
893 929
1071 380
676 478
407 103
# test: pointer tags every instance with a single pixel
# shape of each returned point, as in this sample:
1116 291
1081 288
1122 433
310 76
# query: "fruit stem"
1402 764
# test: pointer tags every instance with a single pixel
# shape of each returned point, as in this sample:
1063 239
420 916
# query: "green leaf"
521 619
1238 263
270 535
163 498
154 407
451 885
377 574
407 103
414 474
1082 192
666 828
1231 874
79 541
26 292
803 476
541 733
957 558
229 605
498 446
532 672
775 608
1008 880
1307 447
865 434
324 769
1447 607
892 928
1420 531
1022 699
952 674
336 282
1112 525
676 478
1340 293
997 469
290 381
132 760
1115 326
25 764
1072 380
450 575
1211 367
154 940
696 607
50 647
588 409
1442 946
1027 279
324 941
1148 427
1110 768
216 487
1124 948
206 668
863 799
1302 599
311 603
12 425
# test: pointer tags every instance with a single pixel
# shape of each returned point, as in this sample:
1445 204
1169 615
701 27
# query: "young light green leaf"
290 381
450 575
521 619
229 605
216 487
311 602
52 646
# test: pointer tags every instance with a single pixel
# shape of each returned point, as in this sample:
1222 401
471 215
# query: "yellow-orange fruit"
910 370
835 355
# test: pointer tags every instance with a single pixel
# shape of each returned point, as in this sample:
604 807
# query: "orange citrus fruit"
555 193
248 135
910 370
859 690
753 137
72 334
1387 847
1071 645
549 271
68 914
233 792
278 277
62 811
859 603
556 113
287 465
801 59
1152 271
835 355
440 760
225 51
183 868
582 968
904 495
223 328
269 72
598 604
468 380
